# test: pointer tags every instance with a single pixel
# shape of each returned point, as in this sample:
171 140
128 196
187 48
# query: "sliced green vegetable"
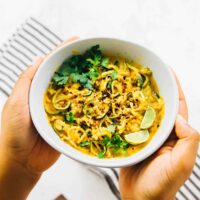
149 118
157 95
59 107
140 81
88 94
137 137
104 113
146 81
50 109
114 85
114 116
108 73
58 125
116 95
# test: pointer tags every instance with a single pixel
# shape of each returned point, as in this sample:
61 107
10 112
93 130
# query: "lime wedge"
137 137
148 118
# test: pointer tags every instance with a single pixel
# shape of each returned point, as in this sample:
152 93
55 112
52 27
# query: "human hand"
20 144
161 175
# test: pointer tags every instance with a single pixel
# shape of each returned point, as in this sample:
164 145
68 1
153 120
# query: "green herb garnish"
85 144
70 117
105 62
101 153
83 69
114 75
115 142
140 81
60 79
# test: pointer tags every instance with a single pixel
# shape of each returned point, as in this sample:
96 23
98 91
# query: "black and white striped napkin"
34 39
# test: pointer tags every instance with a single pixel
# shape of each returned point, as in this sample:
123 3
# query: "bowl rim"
89 159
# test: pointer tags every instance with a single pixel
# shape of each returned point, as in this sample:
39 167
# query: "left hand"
20 140
20 144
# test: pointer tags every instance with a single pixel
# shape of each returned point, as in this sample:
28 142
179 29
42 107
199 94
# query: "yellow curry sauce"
100 103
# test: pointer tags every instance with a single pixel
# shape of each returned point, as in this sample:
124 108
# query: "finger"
185 150
71 39
68 41
183 110
22 86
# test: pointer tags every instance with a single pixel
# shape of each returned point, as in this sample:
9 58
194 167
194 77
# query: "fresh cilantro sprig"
85 143
82 68
115 142
70 117
101 153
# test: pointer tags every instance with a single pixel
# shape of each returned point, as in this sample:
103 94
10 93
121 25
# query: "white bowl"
161 72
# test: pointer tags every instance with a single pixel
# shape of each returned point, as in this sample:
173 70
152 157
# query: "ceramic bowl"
161 72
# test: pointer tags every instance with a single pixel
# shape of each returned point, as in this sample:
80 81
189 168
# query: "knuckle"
195 135
186 167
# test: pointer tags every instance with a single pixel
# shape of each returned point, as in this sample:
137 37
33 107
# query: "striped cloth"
34 39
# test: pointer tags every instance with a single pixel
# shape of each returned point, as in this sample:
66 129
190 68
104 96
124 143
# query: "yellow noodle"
125 103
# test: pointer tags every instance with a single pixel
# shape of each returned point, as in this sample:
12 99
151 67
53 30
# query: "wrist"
16 181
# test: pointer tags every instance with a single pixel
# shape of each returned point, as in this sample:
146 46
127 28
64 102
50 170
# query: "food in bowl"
104 105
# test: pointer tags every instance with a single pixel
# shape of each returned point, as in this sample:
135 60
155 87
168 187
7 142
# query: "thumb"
186 148
185 131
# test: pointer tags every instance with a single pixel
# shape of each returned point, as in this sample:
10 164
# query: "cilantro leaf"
74 77
101 153
83 68
114 75
59 79
105 62
93 73
70 117
124 145
85 81
96 61
105 141
85 143
115 142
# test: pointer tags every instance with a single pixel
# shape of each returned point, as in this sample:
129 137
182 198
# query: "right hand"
160 176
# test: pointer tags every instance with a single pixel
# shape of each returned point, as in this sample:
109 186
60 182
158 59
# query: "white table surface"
169 28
